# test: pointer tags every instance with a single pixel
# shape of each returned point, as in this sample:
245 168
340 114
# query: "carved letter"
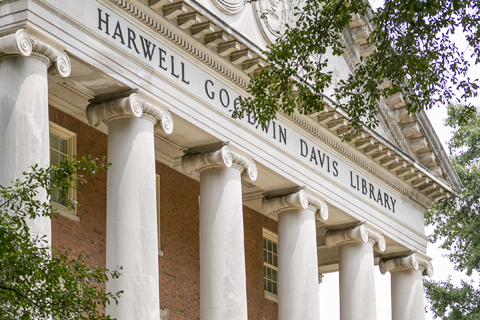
146 48
224 104
118 32
131 39
211 94
162 54
100 21
183 74
335 171
302 143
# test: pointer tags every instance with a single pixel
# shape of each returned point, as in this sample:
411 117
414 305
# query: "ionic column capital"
24 43
300 199
223 157
413 261
132 105
362 233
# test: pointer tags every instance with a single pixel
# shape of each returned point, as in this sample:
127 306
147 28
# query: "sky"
329 288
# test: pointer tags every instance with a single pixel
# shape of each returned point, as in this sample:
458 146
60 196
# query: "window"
63 145
270 265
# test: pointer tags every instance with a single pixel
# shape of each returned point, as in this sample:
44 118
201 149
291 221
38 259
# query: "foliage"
457 221
414 55
452 303
36 280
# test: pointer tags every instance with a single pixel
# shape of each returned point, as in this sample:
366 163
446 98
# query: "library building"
210 217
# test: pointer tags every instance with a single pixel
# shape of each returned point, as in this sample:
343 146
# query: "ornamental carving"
24 44
130 106
229 6
361 233
272 17
223 157
300 199
413 261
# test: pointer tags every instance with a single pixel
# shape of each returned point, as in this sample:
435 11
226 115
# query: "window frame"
71 151
159 233
272 236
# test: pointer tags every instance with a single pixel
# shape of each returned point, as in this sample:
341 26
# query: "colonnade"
132 120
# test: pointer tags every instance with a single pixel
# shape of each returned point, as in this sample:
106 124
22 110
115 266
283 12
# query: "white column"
131 202
407 285
357 279
24 128
298 296
223 288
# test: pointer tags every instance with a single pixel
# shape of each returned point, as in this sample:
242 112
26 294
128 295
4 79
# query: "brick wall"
87 237
259 308
180 265
179 268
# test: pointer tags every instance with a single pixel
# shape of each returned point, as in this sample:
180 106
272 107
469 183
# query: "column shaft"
407 295
24 128
223 293
131 218
357 281
298 296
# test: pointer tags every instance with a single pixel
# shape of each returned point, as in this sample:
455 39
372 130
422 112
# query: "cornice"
180 42
225 156
128 105
362 233
413 261
299 199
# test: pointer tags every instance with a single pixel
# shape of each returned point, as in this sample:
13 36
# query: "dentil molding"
299 199
413 261
222 157
361 233
25 43
133 105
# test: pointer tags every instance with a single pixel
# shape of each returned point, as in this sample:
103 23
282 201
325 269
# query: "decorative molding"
132 105
230 6
299 199
24 43
272 17
223 157
361 233
413 261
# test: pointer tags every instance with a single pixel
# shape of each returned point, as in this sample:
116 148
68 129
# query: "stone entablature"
415 172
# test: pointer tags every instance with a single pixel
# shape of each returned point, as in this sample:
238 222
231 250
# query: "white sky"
329 289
